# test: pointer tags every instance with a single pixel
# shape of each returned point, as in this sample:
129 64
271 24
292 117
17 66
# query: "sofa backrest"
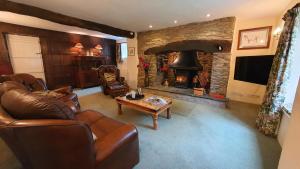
10 85
30 82
22 104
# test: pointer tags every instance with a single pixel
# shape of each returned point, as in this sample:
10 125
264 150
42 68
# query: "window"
124 51
292 83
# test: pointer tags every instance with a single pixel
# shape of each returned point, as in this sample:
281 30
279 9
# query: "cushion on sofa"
22 104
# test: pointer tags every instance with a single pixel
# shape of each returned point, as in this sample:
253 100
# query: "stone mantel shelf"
209 46
186 68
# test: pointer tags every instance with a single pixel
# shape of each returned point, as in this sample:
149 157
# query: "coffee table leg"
120 109
168 113
155 121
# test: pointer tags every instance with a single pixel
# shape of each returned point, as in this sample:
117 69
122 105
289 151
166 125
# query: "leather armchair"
39 86
114 87
68 143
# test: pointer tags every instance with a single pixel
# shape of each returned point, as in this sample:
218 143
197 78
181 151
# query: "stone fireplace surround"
217 62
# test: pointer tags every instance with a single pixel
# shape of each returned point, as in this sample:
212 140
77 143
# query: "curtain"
269 114
118 53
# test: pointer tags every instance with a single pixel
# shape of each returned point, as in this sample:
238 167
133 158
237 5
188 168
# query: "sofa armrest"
64 90
119 149
51 144
41 85
74 107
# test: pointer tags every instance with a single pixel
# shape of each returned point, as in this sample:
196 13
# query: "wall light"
78 46
99 47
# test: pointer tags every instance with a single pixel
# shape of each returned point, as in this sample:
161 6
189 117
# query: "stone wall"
220 73
219 29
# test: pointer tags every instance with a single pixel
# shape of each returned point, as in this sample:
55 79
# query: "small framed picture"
256 38
131 51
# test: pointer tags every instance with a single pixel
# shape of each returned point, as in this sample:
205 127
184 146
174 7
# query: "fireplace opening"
184 78
185 67
183 70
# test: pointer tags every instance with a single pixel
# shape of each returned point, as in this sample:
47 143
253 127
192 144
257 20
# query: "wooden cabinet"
85 75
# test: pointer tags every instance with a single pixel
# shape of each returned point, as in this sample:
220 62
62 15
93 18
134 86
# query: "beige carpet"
196 137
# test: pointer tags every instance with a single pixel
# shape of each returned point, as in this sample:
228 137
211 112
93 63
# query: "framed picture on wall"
255 38
131 51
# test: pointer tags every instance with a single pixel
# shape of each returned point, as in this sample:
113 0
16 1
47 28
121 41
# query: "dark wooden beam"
62 19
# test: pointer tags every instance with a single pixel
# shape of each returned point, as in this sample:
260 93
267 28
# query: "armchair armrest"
122 79
51 144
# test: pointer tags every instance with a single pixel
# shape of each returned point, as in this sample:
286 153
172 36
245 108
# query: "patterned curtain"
269 114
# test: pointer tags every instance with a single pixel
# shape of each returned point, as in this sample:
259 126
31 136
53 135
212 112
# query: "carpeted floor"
196 137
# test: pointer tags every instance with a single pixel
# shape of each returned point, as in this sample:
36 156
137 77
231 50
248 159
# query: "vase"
146 80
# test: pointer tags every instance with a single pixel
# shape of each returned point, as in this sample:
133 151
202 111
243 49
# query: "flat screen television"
253 69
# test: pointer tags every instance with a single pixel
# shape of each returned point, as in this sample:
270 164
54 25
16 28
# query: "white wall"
283 128
291 150
244 91
128 68
123 66
132 62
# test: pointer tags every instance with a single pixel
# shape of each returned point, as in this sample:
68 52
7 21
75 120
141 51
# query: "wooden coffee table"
143 106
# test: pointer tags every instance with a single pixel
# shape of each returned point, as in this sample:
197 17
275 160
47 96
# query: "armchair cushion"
110 77
22 104
117 86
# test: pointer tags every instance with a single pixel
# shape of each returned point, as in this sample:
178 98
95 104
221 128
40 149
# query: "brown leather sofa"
112 83
44 133
39 86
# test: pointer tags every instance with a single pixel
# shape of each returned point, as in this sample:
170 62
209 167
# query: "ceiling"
18 19
137 15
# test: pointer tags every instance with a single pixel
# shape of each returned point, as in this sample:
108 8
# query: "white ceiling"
17 19
137 15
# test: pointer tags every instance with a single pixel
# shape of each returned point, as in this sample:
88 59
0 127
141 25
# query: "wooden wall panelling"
5 66
57 51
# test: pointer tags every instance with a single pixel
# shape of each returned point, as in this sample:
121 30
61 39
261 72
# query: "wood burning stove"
185 68
181 79
184 78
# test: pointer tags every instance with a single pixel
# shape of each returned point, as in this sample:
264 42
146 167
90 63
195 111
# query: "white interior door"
25 55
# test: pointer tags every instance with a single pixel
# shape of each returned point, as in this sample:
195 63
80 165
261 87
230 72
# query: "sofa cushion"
22 104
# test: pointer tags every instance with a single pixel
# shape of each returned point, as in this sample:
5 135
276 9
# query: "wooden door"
25 55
